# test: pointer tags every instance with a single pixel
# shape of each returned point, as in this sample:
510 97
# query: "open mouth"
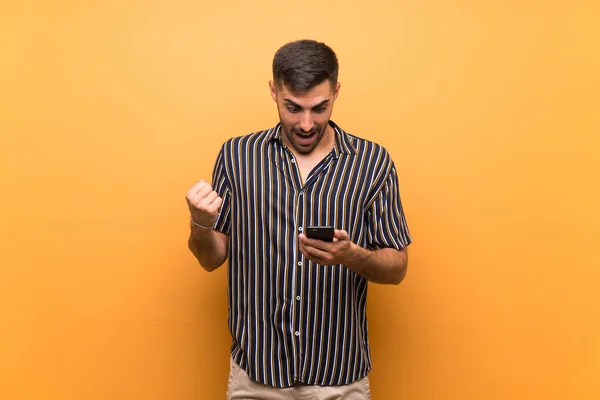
305 139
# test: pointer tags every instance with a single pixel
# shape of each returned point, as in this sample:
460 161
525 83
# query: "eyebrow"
321 104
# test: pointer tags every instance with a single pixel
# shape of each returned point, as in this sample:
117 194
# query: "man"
297 306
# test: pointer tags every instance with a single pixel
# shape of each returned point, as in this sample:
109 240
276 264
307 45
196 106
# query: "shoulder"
251 141
363 145
356 145
373 153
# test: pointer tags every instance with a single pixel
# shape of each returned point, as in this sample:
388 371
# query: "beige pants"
241 387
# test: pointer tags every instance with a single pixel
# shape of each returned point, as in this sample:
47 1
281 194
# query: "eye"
293 110
320 109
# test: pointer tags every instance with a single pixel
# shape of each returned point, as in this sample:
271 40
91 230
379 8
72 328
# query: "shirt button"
297 333
299 263
297 297
300 229
293 161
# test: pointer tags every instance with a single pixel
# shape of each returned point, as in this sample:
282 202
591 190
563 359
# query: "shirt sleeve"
221 185
386 223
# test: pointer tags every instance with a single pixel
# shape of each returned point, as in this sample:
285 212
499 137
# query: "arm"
386 265
210 247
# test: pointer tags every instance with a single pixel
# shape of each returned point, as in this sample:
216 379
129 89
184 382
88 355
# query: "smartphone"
324 233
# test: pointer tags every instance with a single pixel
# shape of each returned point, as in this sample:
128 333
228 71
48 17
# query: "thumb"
341 234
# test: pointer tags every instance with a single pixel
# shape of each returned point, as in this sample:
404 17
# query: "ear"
336 91
273 91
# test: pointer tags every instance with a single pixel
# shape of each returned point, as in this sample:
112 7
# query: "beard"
303 142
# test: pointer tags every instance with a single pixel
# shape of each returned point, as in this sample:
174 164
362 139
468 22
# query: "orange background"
111 110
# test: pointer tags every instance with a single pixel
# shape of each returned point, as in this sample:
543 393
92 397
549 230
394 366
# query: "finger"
341 234
214 206
196 188
316 243
311 254
209 198
191 194
307 254
201 195
217 203
202 184
205 186
316 254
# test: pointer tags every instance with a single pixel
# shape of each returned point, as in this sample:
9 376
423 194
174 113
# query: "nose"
306 123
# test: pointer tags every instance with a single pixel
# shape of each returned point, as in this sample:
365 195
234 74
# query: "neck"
327 142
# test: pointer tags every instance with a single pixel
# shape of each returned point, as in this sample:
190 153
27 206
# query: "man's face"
304 117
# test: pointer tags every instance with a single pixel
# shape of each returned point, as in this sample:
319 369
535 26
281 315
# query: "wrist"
356 257
196 224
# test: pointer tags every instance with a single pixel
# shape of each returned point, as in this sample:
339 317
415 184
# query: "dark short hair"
304 64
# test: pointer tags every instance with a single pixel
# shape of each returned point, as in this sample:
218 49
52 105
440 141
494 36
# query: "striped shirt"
292 320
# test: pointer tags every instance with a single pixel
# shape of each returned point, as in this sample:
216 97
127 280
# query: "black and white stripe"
293 320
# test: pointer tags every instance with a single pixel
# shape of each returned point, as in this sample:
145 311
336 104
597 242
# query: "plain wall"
111 110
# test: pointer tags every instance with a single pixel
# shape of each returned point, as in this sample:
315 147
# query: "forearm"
208 246
387 266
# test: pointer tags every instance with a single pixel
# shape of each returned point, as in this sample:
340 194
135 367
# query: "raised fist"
204 203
